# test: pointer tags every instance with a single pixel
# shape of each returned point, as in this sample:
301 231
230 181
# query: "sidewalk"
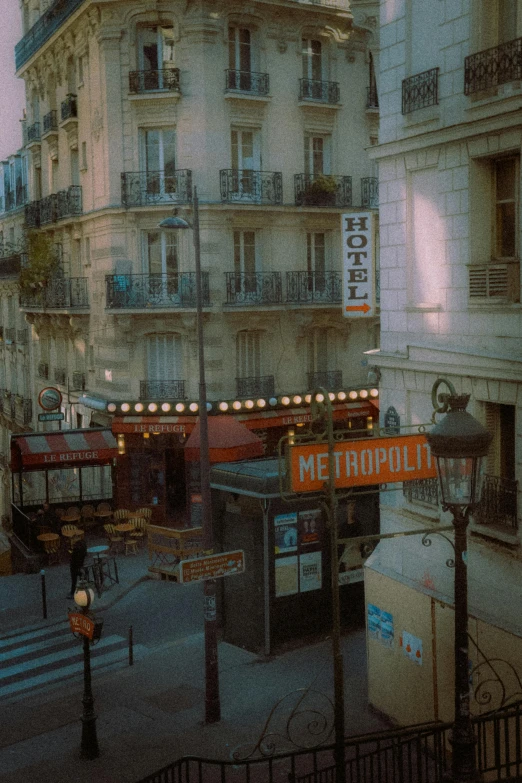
152 713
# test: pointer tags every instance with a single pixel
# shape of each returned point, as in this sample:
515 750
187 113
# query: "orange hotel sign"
361 462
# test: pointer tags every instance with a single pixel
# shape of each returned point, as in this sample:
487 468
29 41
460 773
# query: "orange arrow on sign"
365 307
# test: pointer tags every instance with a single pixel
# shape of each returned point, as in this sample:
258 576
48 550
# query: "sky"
12 100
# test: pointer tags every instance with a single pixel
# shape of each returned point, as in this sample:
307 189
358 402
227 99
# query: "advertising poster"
310 573
286 576
309 526
380 625
285 533
412 647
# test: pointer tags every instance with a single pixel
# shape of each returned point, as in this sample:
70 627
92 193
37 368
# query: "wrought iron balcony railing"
314 287
498 503
420 90
10 265
48 212
494 281
22 336
50 21
323 190
260 288
422 491
60 293
32 214
60 375
65 203
69 202
315 90
247 81
162 390
10 334
252 187
491 67
369 192
78 381
148 81
43 370
155 291
330 380
69 107
256 386
372 97
142 188
50 121
27 411
33 132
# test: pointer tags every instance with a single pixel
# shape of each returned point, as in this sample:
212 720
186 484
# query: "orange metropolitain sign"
361 462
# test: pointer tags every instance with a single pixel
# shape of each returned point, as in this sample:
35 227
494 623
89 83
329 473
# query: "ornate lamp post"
212 702
459 444
83 598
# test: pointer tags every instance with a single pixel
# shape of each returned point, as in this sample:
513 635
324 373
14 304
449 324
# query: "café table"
97 551
48 537
74 533
125 528
103 514
70 518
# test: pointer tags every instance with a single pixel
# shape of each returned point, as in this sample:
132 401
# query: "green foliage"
323 184
42 261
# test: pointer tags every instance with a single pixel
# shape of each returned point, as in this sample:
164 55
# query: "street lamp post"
459 443
212 701
83 598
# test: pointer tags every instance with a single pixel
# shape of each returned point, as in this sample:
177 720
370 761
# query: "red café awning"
62 449
228 441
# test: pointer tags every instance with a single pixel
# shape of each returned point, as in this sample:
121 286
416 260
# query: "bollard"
44 594
131 647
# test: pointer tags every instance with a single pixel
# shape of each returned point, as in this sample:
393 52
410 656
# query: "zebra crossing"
32 659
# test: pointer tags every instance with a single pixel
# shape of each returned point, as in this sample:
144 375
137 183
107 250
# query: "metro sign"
361 462
358 272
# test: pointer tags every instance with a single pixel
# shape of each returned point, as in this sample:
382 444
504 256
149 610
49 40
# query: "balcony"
69 110
48 209
314 287
65 203
319 91
22 336
60 376
32 214
492 67
155 291
27 411
60 293
151 81
422 491
256 386
10 335
372 97
322 190
50 122
369 192
143 188
69 202
500 282
10 265
330 380
498 503
78 381
50 21
420 91
33 133
43 371
162 390
260 288
251 187
247 82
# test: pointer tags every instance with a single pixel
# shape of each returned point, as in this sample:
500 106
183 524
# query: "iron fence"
146 81
316 90
50 122
498 503
330 380
33 132
162 390
324 190
256 386
494 66
369 192
422 491
142 188
260 288
59 293
248 185
155 291
420 90
314 287
247 81
69 107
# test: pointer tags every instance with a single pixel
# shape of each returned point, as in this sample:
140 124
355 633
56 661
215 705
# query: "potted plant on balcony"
42 261
321 191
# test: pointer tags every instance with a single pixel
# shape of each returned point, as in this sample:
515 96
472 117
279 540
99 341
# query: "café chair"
52 550
131 546
103 507
144 512
115 539
120 514
140 528
59 512
87 516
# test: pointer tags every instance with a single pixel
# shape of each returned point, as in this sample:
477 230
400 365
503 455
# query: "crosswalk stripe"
45 631
45 660
17 652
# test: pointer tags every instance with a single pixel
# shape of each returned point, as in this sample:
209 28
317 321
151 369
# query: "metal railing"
147 81
322 190
316 90
60 375
48 212
43 370
498 503
69 202
32 214
372 97
78 381
250 186
420 90
314 287
142 188
247 81
22 336
422 491
50 121
330 380
44 28
27 411
155 291
369 192
260 288
69 107
162 390
10 334
256 386
10 265
494 66
59 293
33 132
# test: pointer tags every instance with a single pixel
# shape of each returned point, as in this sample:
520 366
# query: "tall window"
319 350
316 260
159 152
246 159
75 167
507 20
160 252
506 207
239 49
317 155
164 357
312 59
248 354
156 53
245 261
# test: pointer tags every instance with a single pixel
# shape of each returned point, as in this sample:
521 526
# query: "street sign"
358 272
392 422
361 462
82 624
212 566
51 417
50 398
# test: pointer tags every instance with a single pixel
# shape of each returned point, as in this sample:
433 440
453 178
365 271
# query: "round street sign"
50 398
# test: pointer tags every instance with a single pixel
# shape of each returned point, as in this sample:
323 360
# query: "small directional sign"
358 265
51 417
212 566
